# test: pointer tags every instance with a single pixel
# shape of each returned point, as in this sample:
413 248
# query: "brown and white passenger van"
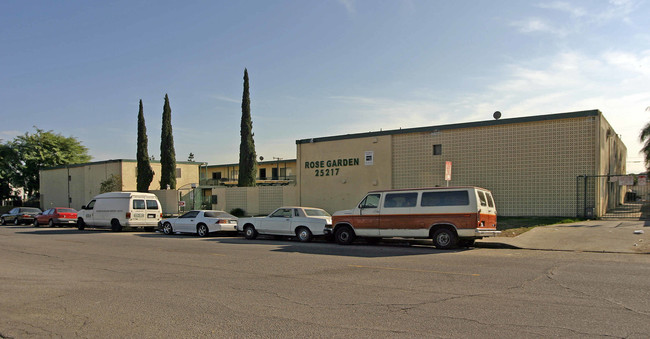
451 216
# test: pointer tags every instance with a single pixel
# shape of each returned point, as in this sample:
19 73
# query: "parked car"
119 209
301 222
20 215
56 216
201 222
451 216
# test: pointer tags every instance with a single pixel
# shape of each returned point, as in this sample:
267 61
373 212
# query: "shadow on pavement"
390 248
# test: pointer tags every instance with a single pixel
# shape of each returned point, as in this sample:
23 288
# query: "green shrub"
238 212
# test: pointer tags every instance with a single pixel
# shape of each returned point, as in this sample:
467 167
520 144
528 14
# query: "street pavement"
609 236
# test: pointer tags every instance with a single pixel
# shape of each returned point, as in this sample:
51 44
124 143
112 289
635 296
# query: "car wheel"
4 221
16 221
167 228
304 234
35 223
344 235
51 223
202 230
444 238
81 224
249 232
115 226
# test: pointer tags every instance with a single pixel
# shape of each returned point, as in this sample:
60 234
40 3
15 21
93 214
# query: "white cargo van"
451 216
119 209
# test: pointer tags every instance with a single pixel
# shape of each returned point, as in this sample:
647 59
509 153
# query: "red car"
56 216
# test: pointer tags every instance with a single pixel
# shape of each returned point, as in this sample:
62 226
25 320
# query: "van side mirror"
83 207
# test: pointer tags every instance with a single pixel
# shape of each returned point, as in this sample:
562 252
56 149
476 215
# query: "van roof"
125 195
428 189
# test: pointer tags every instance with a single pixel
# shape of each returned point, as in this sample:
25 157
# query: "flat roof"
267 162
535 118
114 161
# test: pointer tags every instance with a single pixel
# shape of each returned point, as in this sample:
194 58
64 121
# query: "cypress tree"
167 153
247 156
144 170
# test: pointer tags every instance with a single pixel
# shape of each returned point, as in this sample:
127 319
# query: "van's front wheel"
81 224
444 239
344 235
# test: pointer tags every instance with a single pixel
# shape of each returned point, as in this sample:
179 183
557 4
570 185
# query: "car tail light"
222 221
128 215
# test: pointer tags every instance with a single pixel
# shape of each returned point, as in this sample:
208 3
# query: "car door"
87 213
44 218
187 222
279 222
367 223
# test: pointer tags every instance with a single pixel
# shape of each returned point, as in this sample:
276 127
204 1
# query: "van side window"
481 197
490 201
152 205
371 201
400 200
138 204
449 198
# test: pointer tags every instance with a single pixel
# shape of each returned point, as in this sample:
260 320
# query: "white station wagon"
301 222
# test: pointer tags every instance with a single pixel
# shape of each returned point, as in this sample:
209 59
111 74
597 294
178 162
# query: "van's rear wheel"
445 238
344 235
115 226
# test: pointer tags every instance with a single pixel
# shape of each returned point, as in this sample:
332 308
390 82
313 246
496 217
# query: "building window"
437 149
216 175
178 172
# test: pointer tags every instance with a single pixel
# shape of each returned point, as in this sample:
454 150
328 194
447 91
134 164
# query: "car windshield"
30 210
66 210
218 214
315 212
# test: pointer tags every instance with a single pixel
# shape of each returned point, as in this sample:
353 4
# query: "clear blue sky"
317 68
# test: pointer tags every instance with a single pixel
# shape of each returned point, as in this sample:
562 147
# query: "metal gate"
613 197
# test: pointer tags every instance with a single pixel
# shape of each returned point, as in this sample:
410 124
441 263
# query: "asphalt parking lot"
60 282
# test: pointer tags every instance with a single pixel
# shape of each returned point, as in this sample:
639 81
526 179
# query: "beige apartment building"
270 172
75 185
531 164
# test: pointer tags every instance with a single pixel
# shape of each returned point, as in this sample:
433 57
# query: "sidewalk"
613 236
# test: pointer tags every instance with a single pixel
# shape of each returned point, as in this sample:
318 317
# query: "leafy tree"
144 171
167 153
7 160
247 156
32 152
112 184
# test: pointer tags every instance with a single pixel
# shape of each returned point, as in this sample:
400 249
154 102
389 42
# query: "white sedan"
200 222
301 222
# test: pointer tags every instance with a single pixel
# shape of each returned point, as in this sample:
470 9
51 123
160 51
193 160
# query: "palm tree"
645 139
